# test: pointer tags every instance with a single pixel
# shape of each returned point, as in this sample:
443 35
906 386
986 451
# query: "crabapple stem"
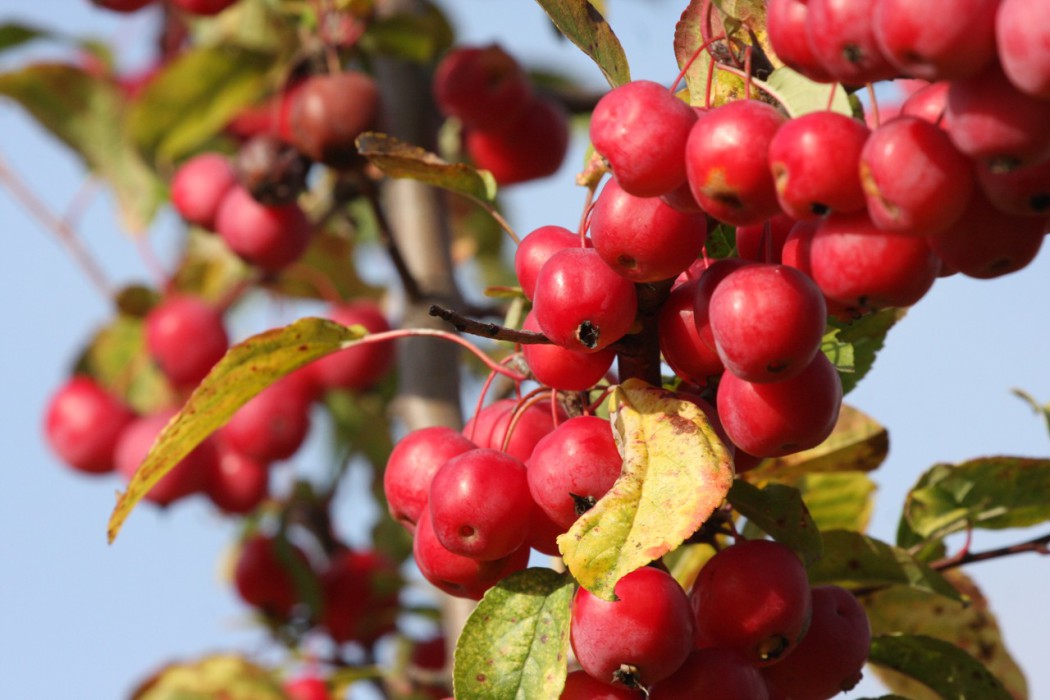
487 330
692 60
875 122
831 95
444 335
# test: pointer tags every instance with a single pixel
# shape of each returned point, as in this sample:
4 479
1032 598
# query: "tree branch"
1039 545
494 331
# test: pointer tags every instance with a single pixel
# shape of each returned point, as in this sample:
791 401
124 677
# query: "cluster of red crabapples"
749 627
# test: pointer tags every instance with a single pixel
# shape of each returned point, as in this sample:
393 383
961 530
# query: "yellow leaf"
247 369
676 472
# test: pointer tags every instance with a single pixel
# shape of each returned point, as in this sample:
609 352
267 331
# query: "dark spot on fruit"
773 647
466 531
853 53
730 199
582 504
778 367
1040 202
1003 164
819 208
627 261
588 334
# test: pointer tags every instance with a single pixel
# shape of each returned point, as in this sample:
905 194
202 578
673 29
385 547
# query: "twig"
67 237
495 331
408 281
1039 545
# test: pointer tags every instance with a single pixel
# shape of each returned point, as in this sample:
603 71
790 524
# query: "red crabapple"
263 574
830 657
328 112
641 128
199 185
203 7
559 368
186 337
412 465
83 425
690 355
271 238
957 41
479 504
648 628
580 686
842 38
573 467
1024 45
754 598
484 87
727 161
809 183
712 674
642 238
914 178
499 426
786 23
767 321
529 147
457 575
236 484
780 418
581 303
359 594
535 249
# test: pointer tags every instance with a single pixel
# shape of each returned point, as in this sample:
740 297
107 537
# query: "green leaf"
941 666
419 38
1044 409
676 472
14 34
86 114
971 627
853 560
247 369
867 335
780 512
515 644
857 443
839 353
194 97
992 493
838 500
584 25
799 95
219 676
117 358
402 160
208 269
721 242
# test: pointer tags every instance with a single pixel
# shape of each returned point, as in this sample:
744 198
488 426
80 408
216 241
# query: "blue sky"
87 620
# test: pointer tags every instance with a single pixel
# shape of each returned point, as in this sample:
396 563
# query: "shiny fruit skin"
529 147
786 23
559 368
754 598
271 426
186 336
535 249
236 484
328 112
412 465
482 86
712 674
492 427
580 686
271 238
1023 41
956 41
263 578
641 128
649 627
83 425
361 367
727 161
198 187
581 303
689 355
842 38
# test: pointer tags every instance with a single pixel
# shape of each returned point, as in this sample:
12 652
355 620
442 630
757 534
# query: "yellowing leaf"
838 500
583 24
515 645
971 627
676 472
857 443
402 160
218 677
247 369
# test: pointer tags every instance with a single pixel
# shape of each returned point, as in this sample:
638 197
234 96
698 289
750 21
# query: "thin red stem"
875 121
445 335
831 96
692 60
